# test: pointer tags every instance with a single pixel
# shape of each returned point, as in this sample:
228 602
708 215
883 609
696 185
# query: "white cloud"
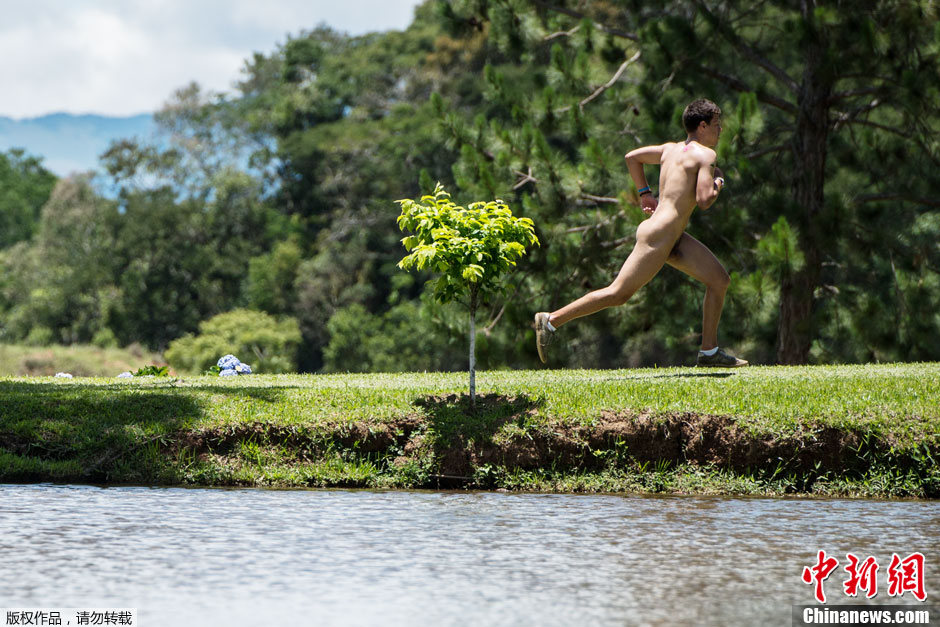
121 58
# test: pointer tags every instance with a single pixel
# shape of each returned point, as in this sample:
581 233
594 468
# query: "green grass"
402 430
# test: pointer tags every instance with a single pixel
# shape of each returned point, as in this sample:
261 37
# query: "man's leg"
641 266
693 257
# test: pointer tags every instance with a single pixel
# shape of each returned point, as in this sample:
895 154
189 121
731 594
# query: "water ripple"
268 557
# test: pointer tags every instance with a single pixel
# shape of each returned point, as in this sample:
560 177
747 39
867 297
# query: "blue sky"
114 57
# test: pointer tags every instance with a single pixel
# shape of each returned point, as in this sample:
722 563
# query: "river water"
333 557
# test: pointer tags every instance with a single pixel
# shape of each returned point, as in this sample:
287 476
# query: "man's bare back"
687 179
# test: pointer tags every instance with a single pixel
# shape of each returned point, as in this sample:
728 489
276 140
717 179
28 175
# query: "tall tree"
856 82
57 285
25 186
836 74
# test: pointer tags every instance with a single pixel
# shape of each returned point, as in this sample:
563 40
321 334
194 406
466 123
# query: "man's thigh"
692 257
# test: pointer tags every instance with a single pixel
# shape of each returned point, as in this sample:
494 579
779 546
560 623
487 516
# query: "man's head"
702 120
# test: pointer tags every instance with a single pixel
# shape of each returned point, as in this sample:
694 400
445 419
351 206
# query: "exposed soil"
363 437
465 440
446 436
674 438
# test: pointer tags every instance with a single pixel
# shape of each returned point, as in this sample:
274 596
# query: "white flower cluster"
231 366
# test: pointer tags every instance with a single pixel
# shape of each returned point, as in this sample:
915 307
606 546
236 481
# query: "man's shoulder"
704 153
690 153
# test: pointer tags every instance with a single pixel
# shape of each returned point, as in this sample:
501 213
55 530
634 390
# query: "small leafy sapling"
471 248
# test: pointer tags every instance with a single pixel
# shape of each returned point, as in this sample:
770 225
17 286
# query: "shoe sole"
540 319
740 364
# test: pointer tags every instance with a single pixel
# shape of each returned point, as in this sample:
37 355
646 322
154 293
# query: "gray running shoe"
543 335
720 359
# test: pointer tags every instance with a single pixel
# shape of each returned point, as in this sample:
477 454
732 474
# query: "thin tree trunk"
473 348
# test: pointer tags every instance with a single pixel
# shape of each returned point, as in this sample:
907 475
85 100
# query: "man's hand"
648 204
719 178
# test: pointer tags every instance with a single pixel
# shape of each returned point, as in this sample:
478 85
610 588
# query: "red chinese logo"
819 573
864 576
904 575
907 575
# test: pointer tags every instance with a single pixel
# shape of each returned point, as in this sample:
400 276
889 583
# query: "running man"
688 177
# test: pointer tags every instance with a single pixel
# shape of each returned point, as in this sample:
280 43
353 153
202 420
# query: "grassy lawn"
847 430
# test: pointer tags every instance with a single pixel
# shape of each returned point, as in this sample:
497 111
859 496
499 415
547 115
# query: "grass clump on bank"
847 430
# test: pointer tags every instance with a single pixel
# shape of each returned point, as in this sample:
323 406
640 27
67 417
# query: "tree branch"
489 328
617 242
842 95
749 52
606 29
562 33
596 227
895 131
899 133
603 200
766 151
929 202
739 85
524 179
605 86
843 118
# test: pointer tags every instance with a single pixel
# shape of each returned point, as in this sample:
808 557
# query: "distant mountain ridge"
70 143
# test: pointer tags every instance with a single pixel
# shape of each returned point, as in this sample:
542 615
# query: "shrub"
104 338
401 339
267 343
40 336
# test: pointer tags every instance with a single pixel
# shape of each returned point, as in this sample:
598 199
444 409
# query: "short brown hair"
701 110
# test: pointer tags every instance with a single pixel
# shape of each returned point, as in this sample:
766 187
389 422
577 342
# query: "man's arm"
707 184
635 160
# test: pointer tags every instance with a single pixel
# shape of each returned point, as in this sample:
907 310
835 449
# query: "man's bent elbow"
634 156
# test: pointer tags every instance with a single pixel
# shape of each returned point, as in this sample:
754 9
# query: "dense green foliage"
276 197
25 186
825 107
472 248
